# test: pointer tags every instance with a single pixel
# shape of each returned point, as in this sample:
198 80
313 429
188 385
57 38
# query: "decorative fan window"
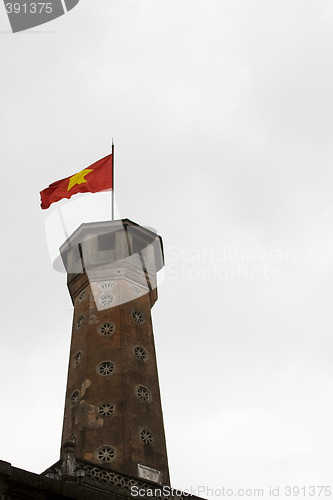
72 439
106 453
140 353
146 436
135 290
82 296
105 368
74 398
106 286
79 321
106 329
106 409
106 299
77 358
143 393
137 316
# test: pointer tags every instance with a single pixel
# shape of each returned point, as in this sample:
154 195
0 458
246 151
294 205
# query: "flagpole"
112 193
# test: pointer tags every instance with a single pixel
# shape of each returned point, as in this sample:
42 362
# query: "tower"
113 412
113 444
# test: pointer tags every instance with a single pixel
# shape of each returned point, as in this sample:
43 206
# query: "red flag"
96 177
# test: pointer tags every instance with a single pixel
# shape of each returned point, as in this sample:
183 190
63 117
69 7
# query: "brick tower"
113 410
113 444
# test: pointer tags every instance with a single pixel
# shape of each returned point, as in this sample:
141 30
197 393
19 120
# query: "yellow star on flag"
78 178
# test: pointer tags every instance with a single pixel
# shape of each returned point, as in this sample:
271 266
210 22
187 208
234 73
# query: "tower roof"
94 244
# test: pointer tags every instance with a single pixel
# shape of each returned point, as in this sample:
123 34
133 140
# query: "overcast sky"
221 113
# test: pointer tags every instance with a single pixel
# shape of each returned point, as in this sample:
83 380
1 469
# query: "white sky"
221 112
